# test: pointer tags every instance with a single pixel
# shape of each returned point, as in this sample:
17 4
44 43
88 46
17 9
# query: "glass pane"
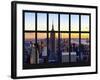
53 47
41 21
42 48
84 23
53 22
74 22
64 46
29 48
74 47
64 22
85 47
29 21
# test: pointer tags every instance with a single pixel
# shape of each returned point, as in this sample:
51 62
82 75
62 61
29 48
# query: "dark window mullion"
36 37
90 39
53 31
58 31
23 35
69 38
47 37
59 50
79 36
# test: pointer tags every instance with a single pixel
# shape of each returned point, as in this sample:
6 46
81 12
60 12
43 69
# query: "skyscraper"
52 40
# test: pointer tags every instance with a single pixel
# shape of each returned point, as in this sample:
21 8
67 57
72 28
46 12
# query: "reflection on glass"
84 48
29 21
42 48
74 46
64 46
64 22
29 48
74 22
41 21
53 22
84 23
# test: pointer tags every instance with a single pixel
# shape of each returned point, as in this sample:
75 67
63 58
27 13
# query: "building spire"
52 25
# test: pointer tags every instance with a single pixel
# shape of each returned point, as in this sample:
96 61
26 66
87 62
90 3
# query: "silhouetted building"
52 40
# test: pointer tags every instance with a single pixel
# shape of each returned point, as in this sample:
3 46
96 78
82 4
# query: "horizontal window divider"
85 32
29 31
59 31
74 31
55 12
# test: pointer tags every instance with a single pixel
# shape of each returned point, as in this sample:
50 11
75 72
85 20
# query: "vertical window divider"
69 38
23 34
36 38
59 39
90 38
47 36
79 35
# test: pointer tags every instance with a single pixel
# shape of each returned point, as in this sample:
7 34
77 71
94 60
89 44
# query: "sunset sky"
62 35
53 19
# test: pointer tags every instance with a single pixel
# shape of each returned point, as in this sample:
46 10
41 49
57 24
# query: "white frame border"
52 71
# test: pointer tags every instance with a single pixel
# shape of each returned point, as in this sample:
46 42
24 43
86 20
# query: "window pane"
42 48
41 21
64 47
53 22
64 22
29 21
29 48
74 22
85 47
84 23
74 47
53 47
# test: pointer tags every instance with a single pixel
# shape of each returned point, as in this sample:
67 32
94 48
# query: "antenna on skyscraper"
52 25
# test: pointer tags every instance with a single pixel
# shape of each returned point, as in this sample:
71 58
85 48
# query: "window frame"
16 69
70 64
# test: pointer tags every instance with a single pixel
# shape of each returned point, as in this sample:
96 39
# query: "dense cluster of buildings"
56 52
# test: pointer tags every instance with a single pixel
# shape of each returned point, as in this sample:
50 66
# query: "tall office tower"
52 40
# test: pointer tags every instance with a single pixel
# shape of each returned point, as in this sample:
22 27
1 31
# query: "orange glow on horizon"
74 35
41 35
62 35
29 35
85 35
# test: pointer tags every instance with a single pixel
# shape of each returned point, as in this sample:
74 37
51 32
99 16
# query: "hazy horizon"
62 35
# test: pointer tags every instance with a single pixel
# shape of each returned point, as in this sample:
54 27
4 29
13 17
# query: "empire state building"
52 40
